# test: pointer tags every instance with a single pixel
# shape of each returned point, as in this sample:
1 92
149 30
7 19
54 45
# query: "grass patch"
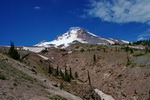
57 97
2 77
14 71
29 78
2 67
17 81
128 63
25 56
29 85
137 55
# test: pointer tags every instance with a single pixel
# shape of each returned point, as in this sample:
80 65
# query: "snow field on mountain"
103 95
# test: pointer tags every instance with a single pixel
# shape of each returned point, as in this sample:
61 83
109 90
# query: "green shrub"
29 78
44 51
128 63
61 86
24 56
82 50
127 49
77 47
137 55
57 97
2 77
76 75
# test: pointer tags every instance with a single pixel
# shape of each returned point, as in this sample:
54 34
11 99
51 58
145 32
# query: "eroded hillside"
118 70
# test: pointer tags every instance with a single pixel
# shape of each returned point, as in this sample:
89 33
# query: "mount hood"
77 34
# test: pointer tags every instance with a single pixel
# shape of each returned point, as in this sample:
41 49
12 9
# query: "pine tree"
66 72
89 78
61 74
57 71
50 69
67 76
13 53
131 50
94 58
71 76
127 49
104 49
76 75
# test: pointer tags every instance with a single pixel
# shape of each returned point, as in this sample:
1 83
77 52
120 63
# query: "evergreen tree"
71 76
131 50
67 76
61 74
127 49
130 43
57 71
143 42
76 75
89 78
13 53
50 69
94 58
104 49
66 72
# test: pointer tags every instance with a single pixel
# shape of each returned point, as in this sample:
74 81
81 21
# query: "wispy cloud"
120 11
37 8
145 35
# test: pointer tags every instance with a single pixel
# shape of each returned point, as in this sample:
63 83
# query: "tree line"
145 43
66 75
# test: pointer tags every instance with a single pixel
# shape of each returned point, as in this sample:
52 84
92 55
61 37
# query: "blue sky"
27 22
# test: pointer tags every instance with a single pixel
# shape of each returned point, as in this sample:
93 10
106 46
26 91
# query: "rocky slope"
19 81
114 70
35 67
117 70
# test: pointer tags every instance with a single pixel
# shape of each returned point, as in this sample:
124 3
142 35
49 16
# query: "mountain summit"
77 34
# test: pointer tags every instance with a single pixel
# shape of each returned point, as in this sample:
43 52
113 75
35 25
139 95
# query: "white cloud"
37 8
120 11
144 36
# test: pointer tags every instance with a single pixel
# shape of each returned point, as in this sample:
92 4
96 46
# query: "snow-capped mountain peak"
74 28
81 35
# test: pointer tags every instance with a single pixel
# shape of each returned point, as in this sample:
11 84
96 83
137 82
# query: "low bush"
57 97
2 77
